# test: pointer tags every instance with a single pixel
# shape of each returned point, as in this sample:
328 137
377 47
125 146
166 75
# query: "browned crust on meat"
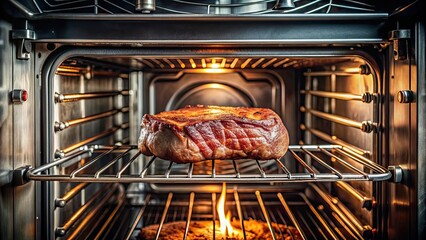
199 133
191 115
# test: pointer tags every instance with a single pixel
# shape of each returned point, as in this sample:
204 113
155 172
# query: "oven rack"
313 212
312 166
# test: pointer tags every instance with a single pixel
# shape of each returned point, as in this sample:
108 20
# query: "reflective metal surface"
400 195
295 30
189 7
330 118
6 133
24 148
18 141
421 129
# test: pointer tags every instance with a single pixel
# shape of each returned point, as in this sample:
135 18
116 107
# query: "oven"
346 77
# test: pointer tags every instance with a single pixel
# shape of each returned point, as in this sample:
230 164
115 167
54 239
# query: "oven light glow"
215 70
214 65
352 70
225 220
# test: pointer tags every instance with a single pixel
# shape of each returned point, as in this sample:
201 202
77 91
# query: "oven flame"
225 220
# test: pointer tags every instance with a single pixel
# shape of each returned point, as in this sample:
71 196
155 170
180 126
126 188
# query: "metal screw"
364 69
367 126
59 126
59 153
367 97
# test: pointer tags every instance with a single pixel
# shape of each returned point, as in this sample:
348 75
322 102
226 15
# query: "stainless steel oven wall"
90 111
17 139
324 86
406 134
420 59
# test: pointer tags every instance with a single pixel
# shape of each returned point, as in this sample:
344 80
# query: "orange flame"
225 221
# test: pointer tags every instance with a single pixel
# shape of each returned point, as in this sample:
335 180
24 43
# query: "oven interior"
325 186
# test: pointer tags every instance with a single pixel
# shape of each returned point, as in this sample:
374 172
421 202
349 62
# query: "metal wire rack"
313 161
106 214
209 7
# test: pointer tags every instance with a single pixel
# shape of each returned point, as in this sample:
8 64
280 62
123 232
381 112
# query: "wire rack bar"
89 140
246 171
62 201
163 217
320 219
240 213
72 97
73 173
365 126
365 97
291 215
62 230
323 163
127 165
190 170
265 214
190 206
110 217
309 214
112 162
60 126
169 169
329 221
366 202
350 220
335 140
138 217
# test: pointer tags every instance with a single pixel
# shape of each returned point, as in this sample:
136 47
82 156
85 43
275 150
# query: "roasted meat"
197 133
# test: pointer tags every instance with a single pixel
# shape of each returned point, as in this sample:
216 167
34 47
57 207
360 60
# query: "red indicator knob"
24 96
19 95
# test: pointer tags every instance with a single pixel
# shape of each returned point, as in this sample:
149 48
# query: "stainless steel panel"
242 30
6 131
402 151
188 7
421 128
24 142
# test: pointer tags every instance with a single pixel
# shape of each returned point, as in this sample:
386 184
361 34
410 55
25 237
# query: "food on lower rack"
197 133
203 230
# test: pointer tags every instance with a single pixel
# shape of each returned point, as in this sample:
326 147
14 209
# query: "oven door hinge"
23 39
400 40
